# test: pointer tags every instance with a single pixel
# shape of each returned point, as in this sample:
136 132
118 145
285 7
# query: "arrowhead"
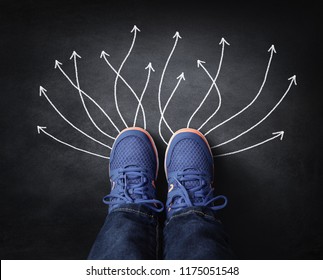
181 76
40 128
177 35
135 28
149 66
74 55
223 41
41 90
57 64
103 54
280 133
272 49
293 78
199 63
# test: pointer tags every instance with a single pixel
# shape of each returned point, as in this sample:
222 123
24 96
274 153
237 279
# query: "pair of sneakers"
188 166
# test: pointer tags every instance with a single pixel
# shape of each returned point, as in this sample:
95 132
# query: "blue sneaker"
189 172
133 170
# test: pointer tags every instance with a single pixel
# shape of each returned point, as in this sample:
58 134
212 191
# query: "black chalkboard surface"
260 66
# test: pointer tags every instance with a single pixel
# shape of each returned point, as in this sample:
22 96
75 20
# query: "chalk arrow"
199 63
104 54
176 36
279 134
42 129
223 42
43 92
265 117
180 78
272 51
126 83
150 69
205 97
89 97
74 55
293 79
57 64
135 29
149 66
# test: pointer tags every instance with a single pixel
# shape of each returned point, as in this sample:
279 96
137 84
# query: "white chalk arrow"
200 64
180 78
42 91
177 37
134 30
150 69
58 65
292 81
74 56
272 51
279 134
104 55
223 42
42 129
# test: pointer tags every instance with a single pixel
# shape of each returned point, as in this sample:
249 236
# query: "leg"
129 232
195 233
131 227
192 229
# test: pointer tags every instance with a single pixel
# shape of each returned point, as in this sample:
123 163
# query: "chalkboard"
265 63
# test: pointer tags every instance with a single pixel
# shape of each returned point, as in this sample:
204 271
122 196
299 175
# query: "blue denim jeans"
133 232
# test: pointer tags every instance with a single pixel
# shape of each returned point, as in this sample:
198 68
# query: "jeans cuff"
136 208
202 211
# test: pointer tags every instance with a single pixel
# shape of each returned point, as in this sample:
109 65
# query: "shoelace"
131 186
199 192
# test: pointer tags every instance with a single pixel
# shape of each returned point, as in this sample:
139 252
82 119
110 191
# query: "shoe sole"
150 139
183 130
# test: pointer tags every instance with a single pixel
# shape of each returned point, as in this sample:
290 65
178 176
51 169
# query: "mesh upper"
132 150
187 153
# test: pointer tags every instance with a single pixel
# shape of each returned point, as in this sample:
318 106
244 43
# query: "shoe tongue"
132 179
191 183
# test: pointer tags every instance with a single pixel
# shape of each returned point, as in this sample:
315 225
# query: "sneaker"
133 170
189 172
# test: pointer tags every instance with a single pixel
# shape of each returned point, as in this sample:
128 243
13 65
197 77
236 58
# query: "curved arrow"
150 68
74 56
179 78
200 64
42 91
272 51
42 129
223 42
104 55
279 134
134 31
292 80
58 65
176 36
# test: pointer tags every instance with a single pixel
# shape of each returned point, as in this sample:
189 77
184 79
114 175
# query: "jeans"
133 232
